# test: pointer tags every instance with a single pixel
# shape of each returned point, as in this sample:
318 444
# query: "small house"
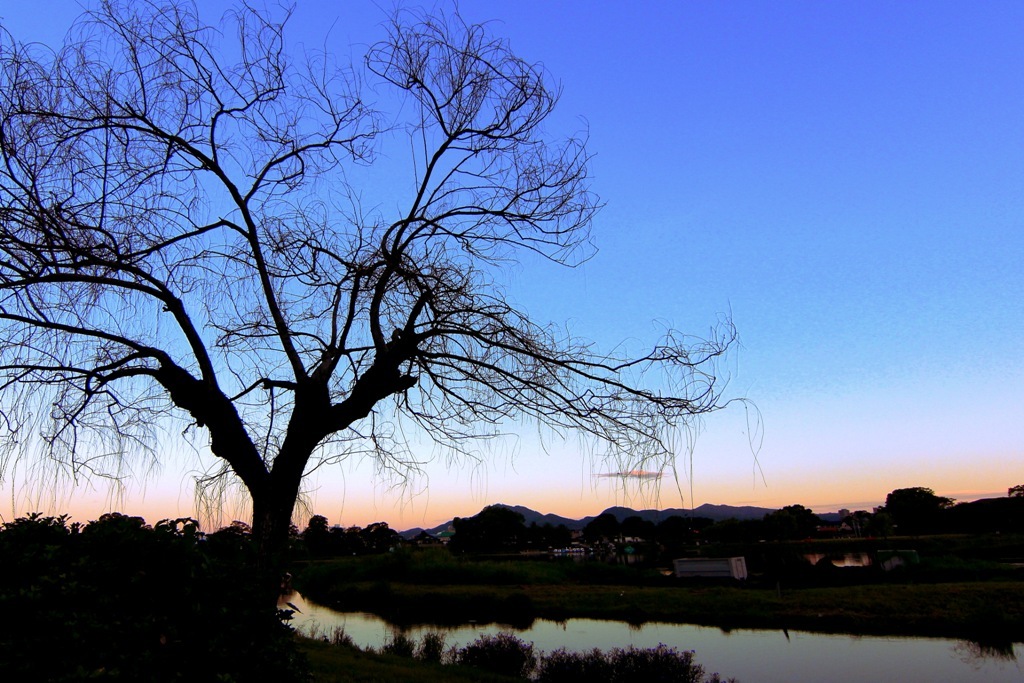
711 567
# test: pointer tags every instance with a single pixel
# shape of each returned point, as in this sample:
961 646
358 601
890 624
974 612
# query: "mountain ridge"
717 513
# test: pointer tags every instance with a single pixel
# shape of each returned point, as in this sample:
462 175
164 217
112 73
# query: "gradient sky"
846 180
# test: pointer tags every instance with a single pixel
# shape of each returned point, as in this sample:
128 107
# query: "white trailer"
713 567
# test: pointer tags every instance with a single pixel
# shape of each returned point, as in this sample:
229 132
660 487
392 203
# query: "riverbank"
448 592
488 656
970 611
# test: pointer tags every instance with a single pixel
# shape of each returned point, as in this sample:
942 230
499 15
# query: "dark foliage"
632 665
790 523
493 529
660 664
502 653
566 666
120 600
1002 515
400 645
917 510
431 648
318 539
546 536
603 527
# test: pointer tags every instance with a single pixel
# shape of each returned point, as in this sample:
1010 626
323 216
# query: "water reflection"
748 655
840 559
973 652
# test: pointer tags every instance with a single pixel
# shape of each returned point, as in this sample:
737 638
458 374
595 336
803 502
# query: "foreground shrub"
431 648
506 655
400 645
566 666
120 600
336 637
660 664
501 654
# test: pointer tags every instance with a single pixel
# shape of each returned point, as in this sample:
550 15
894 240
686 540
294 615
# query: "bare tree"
180 236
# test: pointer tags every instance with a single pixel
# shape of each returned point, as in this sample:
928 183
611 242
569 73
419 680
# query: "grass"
439 567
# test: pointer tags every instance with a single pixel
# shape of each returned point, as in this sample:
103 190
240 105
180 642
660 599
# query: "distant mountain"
410 534
529 517
715 512
532 516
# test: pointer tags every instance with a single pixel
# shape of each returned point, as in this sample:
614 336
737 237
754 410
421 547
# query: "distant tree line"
320 539
911 511
498 529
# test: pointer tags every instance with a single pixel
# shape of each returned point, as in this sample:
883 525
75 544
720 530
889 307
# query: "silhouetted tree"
378 537
548 535
987 515
676 530
858 522
317 536
348 541
603 527
181 237
1015 491
734 530
791 522
880 524
493 529
638 527
916 510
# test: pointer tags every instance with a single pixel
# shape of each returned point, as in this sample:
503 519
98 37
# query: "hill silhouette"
717 513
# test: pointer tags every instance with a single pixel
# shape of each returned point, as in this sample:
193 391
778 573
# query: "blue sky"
846 180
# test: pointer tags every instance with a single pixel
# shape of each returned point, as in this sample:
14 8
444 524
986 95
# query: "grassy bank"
496 658
417 589
957 610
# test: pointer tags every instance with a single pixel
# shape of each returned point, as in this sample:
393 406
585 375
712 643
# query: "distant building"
425 540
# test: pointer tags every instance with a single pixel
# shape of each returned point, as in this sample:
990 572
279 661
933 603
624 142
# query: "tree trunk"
271 521
274 496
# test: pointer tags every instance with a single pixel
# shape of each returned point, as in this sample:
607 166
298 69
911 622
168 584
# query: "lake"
750 656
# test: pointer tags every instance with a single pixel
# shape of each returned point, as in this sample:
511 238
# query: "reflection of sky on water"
749 656
840 559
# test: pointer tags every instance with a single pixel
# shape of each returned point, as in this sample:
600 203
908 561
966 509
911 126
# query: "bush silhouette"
118 599
501 654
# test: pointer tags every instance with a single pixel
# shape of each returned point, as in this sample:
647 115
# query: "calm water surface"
751 656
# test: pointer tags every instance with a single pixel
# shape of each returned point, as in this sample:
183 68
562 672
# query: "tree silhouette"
493 529
317 535
791 522
378 537
917 509
637 527
548 535
603 527
181 237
